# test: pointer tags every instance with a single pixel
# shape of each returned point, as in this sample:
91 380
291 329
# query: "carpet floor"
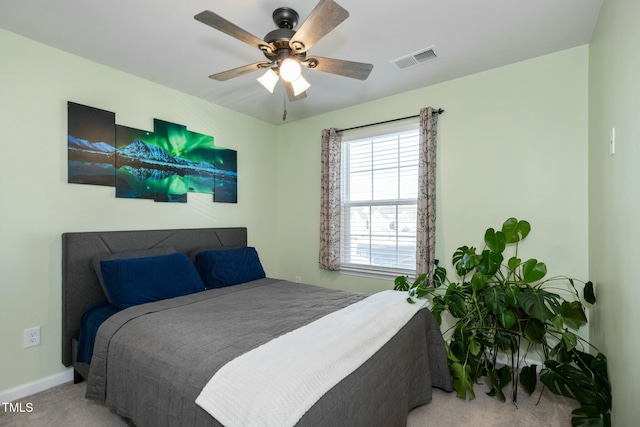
65 406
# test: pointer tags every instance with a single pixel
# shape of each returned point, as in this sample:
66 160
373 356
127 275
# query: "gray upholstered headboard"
80 286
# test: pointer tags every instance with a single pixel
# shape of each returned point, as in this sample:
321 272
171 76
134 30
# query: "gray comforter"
150 362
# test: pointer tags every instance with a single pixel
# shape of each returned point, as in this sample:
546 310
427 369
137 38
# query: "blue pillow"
220 268
136 281
140 253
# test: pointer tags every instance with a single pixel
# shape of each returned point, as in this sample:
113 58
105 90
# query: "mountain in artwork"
139 154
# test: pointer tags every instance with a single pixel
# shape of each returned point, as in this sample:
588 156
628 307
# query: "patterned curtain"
330 200
426 228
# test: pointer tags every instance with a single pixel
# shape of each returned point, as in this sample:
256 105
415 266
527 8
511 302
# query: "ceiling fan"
287 50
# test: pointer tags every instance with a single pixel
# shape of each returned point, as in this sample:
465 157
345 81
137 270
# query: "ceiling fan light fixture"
286 48
290 70
269 80
299 85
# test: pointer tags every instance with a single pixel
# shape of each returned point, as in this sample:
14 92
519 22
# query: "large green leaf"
534 330
498 380
560 353
451 357
438 307
437 313
465 259
452 288
457 306
478 281
598 363
597 366
535 302
490 262
421 280
590 416
566 380
529 379
513 263
459 343
507 318
505 342
589 295
462 381
532 270
474 346
439 276
512 295
558 323
569 340
401 283
573 314
495 388
496 300
515 230
495 241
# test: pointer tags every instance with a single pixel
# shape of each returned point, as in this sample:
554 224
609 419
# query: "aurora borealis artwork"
163 165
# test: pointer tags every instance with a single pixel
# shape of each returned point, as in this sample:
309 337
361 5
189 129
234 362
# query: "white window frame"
347 245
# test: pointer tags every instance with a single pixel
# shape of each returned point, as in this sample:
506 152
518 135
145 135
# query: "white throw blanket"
276 383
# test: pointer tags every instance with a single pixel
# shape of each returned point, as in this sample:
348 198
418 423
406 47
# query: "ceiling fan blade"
290 93
229 74
219 23
355 70
323 18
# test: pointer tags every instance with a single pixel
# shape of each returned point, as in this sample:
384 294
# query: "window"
379 201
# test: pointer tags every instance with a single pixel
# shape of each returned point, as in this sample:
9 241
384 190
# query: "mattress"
151 361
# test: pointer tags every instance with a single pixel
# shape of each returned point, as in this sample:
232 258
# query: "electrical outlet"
298 279
32 337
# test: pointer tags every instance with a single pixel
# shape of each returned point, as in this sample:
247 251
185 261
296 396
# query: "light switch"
612 142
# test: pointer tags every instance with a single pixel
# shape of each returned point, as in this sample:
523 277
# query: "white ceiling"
160 41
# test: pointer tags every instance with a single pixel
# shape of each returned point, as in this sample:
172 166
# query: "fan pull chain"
284 106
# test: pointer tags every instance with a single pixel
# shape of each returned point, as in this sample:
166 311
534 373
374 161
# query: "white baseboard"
36 386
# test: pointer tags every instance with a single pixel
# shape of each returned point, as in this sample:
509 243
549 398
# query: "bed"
151 361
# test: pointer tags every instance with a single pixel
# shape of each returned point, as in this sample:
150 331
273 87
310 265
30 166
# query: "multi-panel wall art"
163 165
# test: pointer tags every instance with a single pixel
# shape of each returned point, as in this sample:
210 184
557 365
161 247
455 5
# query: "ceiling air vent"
415 58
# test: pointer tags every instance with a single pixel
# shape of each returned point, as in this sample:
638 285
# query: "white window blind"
379 201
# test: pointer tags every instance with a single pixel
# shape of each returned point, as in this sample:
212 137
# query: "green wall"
38 205
512 142
614 204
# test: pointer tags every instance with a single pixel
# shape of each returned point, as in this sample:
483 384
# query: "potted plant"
505 309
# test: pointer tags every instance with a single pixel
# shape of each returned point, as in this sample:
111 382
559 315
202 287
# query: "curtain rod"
438 111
